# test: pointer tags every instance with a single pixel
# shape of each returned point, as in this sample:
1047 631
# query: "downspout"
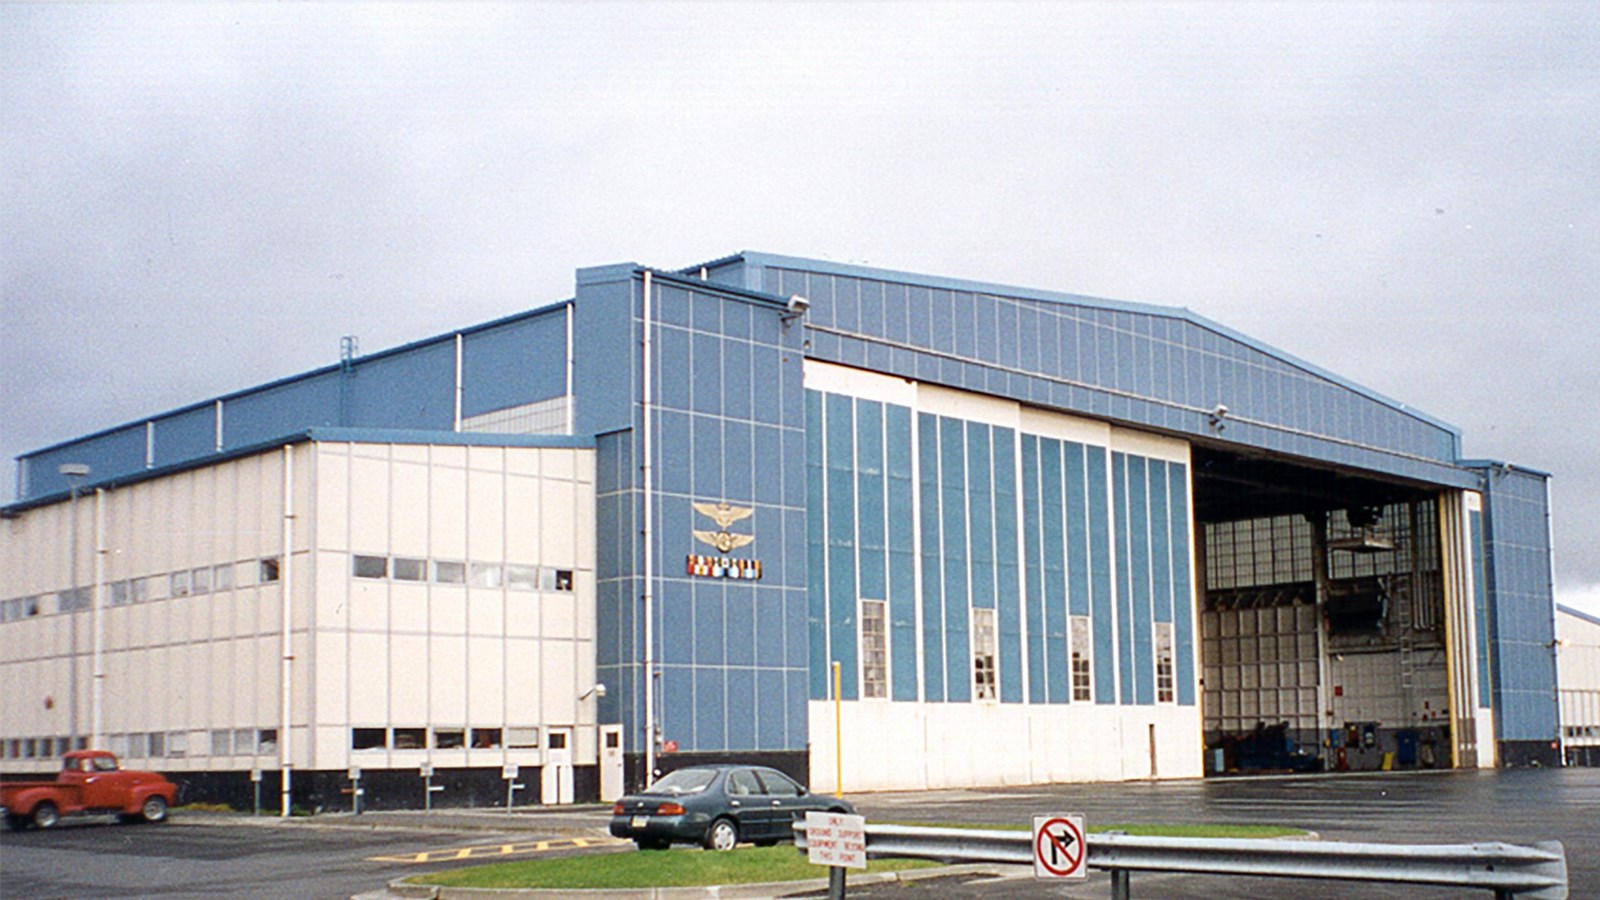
1555 664
456 427
97 600
286 610
645 479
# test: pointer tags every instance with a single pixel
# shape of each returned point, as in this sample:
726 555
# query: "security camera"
598 691
1221 412
798 305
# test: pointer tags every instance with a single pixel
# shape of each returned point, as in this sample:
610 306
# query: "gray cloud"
201 197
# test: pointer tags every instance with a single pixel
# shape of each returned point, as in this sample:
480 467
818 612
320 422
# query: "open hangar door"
1322 613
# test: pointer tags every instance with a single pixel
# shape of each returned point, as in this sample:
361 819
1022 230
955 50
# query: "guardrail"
1538 872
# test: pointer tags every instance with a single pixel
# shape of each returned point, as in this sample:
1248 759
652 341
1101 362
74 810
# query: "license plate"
641 821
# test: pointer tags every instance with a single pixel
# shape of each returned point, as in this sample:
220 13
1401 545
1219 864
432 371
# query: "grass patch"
651 868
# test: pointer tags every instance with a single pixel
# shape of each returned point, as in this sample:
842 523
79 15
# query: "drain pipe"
647 531
286 610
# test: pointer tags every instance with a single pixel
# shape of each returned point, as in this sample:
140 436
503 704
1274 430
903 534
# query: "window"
1080 658
522 738
485 575
200 581
244 741
522 578
779 785
406 569
613 740
983 671
486 738
73 600
269 570
222 743
222 577
119 593
449 738
267 740
158 744
450 572
371 566
177 744
178 584
369 738
742 782
138 590
558 740
874 651
1164 676
563 579
410 738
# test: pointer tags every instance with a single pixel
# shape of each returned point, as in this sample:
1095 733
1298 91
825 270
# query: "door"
610 762
556 777
749 805
784 800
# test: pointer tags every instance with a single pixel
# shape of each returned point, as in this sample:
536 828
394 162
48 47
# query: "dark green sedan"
718 807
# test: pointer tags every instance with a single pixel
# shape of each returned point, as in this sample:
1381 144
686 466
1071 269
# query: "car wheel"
722 835
45 815
154 808
646 844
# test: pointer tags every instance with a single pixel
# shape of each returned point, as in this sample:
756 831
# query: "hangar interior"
1362 685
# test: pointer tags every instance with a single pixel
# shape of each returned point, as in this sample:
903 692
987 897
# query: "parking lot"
204 855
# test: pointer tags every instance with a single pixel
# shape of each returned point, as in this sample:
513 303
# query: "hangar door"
1323 633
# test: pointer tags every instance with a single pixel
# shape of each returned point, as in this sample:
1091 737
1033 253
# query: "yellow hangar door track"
495 851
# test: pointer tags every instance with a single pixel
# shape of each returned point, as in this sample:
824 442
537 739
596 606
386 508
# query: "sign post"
1059 848
509 772
836 840
355 788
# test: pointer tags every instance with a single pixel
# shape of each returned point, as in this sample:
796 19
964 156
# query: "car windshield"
683 781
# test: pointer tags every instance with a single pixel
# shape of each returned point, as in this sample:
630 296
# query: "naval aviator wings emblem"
724 515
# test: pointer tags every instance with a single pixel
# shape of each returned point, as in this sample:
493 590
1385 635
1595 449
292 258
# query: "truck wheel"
45 816
154 808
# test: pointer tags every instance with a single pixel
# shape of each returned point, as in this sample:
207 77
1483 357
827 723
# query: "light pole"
74 473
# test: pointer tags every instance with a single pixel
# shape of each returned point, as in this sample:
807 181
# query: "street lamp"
74 473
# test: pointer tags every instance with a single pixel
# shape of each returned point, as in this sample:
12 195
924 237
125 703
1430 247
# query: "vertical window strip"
1139 575
817 546
1100 576
842 540
1165 692
984 681
1082 674
874 651
1008 569
953 487
1183 609
1055 584
901 512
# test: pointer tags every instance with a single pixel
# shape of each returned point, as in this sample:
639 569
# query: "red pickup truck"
90 781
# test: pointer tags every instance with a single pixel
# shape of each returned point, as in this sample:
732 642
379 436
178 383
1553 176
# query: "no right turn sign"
1059 848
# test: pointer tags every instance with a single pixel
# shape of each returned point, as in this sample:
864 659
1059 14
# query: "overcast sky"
195 198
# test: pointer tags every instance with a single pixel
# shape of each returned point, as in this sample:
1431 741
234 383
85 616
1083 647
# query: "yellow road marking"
493 850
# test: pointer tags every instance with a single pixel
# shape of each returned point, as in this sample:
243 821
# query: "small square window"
486 575
558 740
522 578
222 743
177 744
119 593
410 738
486 738
138 590
371 566
449 738
222 577
158 744
267 740
244 741
563 579
406 569
178 584
269 570
369 738
200 581
450 572
522 738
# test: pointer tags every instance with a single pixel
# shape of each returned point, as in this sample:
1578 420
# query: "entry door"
556 778
610 762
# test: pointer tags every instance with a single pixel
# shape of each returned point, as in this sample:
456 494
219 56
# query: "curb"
757 891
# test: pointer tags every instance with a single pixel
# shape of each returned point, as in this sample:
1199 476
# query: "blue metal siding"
516 363
902 554
870 500
980 508
1521 605
1151 366
1055 584
1480 610
260 415
817 547
1100 578
414 389
953 528
932 595
1183 607
186 435
1007 572
840 504
1033 550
